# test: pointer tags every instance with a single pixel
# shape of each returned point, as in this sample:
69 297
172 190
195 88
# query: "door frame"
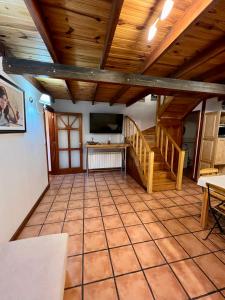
217 113
54 147
198 139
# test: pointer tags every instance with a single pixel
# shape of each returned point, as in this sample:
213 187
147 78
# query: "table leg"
205 210
125 161
87 162
122 160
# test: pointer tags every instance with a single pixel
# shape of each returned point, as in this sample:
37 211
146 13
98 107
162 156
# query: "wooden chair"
208 171
217 210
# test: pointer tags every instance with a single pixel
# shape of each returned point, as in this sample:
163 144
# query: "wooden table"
218 180
121 147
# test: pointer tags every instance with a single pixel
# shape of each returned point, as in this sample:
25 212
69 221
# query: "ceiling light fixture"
45 99
152 31
166 9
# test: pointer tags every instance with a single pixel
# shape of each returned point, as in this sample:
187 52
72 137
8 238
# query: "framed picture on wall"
12 107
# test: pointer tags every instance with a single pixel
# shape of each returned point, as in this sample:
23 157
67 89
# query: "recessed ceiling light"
166 9
152 31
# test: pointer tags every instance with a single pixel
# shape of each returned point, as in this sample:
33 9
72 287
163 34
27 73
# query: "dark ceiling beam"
35 11
4 51
111 28
191 14
158 85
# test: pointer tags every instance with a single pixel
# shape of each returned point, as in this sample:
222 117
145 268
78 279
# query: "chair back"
209 171
216 192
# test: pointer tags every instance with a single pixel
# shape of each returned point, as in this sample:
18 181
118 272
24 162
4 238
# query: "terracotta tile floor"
127 244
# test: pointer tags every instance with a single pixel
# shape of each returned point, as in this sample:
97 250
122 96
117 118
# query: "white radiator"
104 160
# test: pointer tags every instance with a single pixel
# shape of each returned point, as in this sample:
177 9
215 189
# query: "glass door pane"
63 159
75 158
74 139
63 139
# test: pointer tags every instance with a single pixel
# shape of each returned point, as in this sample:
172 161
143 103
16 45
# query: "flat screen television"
106 123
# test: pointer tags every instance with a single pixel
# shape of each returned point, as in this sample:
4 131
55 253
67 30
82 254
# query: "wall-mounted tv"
106 123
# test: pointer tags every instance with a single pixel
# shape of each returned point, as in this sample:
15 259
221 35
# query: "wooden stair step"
162 174
159 166
163 185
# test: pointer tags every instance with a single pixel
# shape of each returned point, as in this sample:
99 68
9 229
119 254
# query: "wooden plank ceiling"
113 35
21 38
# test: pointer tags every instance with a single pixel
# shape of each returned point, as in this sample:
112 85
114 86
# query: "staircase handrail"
163 138
141 148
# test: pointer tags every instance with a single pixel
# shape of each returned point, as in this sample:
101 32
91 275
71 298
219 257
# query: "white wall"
23 167
143 114
211 105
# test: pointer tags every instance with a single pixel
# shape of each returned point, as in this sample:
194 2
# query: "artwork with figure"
12 107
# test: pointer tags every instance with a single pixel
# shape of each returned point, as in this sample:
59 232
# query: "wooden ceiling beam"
191 14
157 85
139 97
111 28
217 74
35 11
36 84
112 24
149 20
210 52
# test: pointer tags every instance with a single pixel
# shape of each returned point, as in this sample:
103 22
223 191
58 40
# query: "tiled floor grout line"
108 250
151 291
184 259
116 180
164 259
82 252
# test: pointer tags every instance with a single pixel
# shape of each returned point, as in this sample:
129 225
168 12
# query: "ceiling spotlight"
152 31
166 9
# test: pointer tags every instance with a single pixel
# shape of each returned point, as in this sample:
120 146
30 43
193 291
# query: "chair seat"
220 209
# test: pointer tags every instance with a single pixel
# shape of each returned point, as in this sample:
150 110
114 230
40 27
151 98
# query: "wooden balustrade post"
137 142
161 142
166 149
134 137
144 168
180 170
150 172
126 125
158 136
172 158
140 153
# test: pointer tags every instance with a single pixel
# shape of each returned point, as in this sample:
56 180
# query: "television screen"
106 123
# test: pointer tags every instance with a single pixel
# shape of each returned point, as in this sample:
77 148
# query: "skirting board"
21 227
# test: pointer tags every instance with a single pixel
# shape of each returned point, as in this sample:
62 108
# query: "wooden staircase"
176 107
162 177
154 154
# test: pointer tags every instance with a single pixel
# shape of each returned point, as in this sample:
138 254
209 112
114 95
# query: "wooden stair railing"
168 148
142 150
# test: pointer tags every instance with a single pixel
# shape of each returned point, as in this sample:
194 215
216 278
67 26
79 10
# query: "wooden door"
68 143
209 139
